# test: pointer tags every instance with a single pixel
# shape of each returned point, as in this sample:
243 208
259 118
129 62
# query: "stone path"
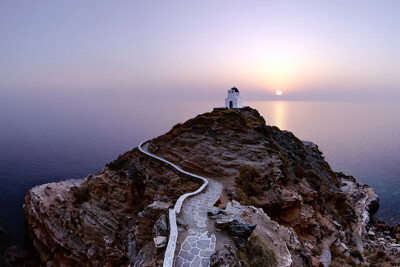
199 243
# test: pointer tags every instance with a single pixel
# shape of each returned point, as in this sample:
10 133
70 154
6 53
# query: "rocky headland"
278 203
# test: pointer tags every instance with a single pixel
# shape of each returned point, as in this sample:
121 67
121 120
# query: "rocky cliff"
304 212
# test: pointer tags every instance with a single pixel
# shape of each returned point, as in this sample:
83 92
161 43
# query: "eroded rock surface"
225 257
239 229
115 226
302 208
282 240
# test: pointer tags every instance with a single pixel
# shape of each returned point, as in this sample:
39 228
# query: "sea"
48 138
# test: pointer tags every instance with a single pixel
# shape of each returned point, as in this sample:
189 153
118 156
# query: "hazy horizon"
311 50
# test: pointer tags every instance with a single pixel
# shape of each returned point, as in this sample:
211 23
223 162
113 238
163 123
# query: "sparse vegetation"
276 147
311 174
246 178
81 195
357 254
338 262
350 261
378 258
314 179
246 187
242 197
287 174
299 171
346 210
117 164
257 253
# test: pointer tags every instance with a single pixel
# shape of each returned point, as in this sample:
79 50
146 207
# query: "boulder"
153 210
239 229
160 228
371 233
160 241
225 257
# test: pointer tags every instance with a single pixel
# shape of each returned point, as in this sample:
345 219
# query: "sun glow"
283 67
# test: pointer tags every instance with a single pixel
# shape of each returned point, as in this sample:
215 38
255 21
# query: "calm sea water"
52 138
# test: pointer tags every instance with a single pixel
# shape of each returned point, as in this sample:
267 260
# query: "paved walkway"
199 244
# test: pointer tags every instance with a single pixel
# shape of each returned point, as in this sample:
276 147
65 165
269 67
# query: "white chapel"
233 100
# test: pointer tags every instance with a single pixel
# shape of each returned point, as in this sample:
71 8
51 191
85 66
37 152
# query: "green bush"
257 253
81 195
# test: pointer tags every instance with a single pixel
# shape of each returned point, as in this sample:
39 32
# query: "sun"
278 92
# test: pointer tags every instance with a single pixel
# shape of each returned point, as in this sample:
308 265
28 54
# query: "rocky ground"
281 204
106 219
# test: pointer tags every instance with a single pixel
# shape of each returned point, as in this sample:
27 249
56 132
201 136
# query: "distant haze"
311 50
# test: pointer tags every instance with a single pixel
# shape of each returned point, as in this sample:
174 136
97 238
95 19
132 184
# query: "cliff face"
112 217
109 221
294 184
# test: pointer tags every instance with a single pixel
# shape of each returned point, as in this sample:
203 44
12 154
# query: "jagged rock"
239 229
161 228
296 188
225 257
104 231
228 191
214 211
361 197
306 201
147 219
370 233
316 262
342 248
326 258
282 240
160 241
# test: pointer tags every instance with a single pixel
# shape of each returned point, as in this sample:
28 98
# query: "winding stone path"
199 243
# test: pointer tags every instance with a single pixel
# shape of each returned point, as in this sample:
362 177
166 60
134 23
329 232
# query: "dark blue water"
56 136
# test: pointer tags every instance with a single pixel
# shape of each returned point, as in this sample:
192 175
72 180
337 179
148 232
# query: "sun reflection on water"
279 115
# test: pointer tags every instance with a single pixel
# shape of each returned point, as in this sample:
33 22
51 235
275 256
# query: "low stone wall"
173 234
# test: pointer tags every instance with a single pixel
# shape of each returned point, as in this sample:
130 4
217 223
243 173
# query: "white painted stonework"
233 100
173 234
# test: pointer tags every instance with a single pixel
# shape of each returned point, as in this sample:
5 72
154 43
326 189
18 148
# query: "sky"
311 50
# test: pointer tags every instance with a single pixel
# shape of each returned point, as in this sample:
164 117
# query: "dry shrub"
257 253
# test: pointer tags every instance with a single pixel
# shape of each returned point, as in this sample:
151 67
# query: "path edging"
173 233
